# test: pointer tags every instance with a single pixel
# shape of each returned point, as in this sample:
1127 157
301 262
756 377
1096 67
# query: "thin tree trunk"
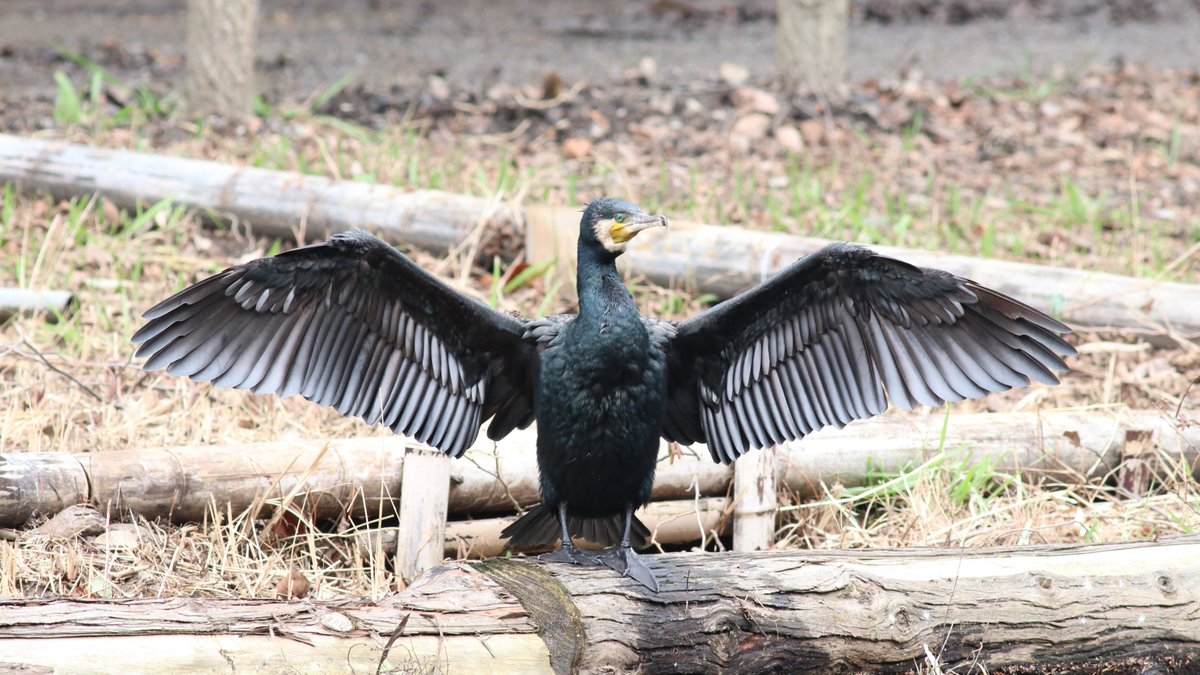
810 44
220 57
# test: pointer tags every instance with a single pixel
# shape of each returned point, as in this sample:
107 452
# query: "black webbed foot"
625 561
570 554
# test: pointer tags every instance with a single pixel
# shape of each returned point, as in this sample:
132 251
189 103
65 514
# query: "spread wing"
355 325
830 338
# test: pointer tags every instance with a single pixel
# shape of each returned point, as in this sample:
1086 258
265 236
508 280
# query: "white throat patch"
603 229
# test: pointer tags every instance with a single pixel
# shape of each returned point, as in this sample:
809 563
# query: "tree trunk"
280 204
810 44
1036 609
220 57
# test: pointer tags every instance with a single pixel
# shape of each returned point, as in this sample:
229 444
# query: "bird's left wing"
819 343
353 324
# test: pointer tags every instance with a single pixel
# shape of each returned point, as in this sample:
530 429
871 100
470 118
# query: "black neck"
598 283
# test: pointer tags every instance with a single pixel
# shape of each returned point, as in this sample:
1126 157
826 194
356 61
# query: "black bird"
353 324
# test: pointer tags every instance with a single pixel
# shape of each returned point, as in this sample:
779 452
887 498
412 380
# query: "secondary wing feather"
821 342
355 325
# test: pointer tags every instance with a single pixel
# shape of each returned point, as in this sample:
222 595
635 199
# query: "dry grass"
73 385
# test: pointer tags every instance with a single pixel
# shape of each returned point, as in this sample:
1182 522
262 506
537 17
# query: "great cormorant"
353 324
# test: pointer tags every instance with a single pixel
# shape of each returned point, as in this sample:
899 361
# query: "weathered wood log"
725 261
275 203
358 476
220 56
48 304
1032 609
362 476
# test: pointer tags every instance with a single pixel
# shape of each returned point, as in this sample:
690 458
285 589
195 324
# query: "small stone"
73 521
294 586
812 131
119 537
576 147
755 100
753 126
337 622
790 138
438 88
648 68
733 74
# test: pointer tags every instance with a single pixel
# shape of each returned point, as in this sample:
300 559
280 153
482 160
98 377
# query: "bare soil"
304 45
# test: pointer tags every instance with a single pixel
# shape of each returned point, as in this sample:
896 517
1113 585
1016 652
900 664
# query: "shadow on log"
1036 609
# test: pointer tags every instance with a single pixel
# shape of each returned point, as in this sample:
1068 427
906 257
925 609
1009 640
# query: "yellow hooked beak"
625 229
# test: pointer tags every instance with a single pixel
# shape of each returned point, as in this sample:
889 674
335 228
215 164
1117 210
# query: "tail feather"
538 528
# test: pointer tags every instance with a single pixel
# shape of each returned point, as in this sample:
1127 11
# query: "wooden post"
810 44
552 233
421 532
220 57
755 499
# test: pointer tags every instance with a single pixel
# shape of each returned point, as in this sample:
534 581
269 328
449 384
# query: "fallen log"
1032 609
361 476
276 203
48 304
725 261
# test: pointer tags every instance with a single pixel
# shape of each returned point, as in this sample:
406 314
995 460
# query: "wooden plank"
275 203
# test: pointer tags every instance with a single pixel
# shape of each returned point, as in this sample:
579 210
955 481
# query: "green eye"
620 218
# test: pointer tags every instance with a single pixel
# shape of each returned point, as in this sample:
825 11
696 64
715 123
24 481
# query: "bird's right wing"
819 343
353 324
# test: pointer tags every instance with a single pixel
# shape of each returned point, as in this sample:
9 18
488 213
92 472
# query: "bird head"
611 223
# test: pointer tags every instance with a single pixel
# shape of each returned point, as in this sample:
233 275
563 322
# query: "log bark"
275 203
48 304
362 476
810 44
726 261
220 57
1033 609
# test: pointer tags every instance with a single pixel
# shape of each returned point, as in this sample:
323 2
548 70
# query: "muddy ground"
307 44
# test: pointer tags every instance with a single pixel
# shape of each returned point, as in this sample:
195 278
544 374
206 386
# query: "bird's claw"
572 556
625 561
